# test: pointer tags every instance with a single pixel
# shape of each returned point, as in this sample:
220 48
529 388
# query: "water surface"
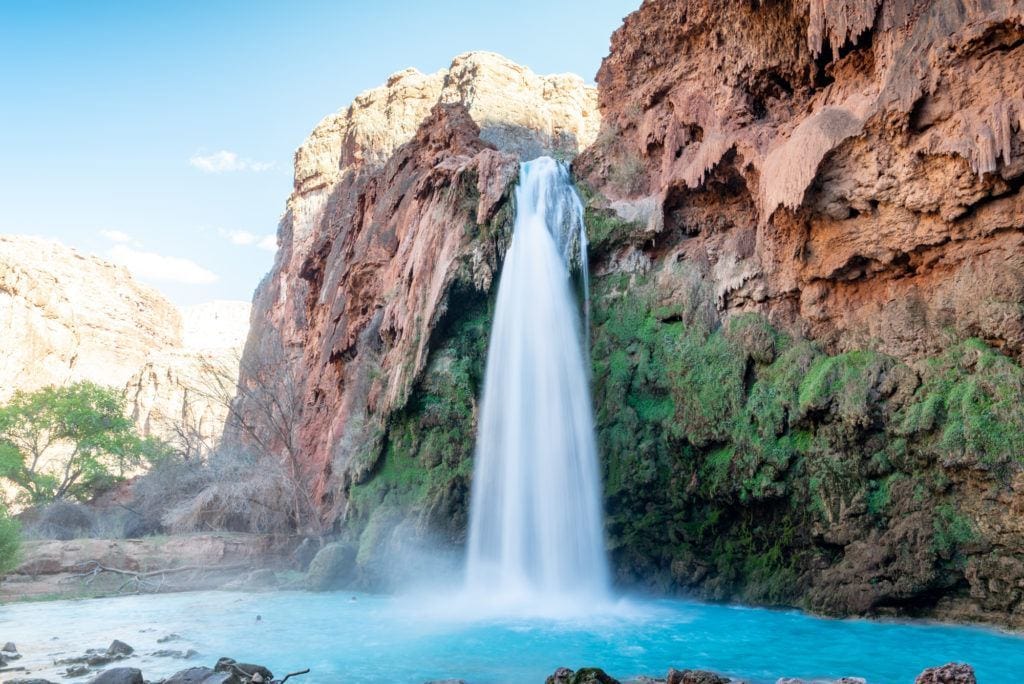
392 639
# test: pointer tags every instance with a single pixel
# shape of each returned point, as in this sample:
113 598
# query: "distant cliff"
66 316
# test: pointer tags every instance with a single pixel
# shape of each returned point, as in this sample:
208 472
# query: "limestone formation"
849 168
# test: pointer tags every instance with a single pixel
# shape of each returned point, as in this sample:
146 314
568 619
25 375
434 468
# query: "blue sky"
161 134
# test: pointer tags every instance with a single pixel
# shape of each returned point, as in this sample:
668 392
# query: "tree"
263 409
68 442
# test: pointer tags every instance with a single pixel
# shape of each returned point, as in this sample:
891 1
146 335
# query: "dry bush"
61 520
241 493
168 485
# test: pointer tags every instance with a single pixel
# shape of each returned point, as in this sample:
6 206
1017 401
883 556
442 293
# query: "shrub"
59 520
10 541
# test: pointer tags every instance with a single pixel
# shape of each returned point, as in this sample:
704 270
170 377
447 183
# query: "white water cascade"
536 530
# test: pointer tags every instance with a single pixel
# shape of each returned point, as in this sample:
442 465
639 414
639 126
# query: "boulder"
200 675
256 673
8 649
304 553
119 675
119 649
586 675
332 567
695 677
950 673
29 681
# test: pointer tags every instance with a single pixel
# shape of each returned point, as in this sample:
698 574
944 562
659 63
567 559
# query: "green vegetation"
68 442
726 446
970 406
10 541
951 529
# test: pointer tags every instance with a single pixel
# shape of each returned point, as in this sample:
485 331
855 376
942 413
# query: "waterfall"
535 518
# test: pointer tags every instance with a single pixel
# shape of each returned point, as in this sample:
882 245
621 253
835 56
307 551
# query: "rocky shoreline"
97 662
951 673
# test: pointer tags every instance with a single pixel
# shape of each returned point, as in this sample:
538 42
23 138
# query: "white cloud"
159 267
268 243
116 236
244 238
225 161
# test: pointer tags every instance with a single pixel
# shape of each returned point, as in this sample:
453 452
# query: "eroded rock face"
400 200
190 384
68 317
800 211
851 169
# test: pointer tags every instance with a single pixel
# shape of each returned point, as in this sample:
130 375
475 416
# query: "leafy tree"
68 442
9 541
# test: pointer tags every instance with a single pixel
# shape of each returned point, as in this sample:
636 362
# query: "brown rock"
859 184
951 673
695 677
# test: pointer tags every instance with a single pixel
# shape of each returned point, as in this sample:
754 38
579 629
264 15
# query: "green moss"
879 495
951 530
605 230
970 401
844 382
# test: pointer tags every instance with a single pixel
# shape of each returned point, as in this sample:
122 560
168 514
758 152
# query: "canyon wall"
805 222
395 227
68 317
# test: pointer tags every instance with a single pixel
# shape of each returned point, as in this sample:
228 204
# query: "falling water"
535 519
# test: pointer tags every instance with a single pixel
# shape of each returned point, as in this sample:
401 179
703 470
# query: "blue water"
391 639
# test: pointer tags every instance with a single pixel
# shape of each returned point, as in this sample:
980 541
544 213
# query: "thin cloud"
159 267
225 161
244 238
116 236
268 243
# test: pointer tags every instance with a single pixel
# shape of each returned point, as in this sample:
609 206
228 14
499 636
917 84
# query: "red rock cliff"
397 197
851 168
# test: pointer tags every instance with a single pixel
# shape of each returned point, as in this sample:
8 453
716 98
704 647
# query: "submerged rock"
180 655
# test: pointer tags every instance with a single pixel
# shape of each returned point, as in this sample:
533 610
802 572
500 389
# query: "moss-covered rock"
740 462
